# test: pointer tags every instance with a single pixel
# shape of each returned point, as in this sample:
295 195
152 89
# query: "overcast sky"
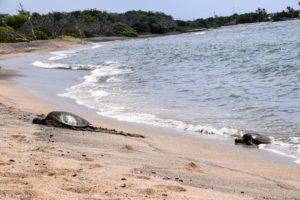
179 9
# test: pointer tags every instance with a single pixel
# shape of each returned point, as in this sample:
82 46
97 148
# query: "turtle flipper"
39 120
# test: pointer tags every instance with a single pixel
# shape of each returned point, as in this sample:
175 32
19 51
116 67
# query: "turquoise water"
222 81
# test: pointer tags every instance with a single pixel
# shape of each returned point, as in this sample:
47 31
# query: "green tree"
125 30
261 14
15 21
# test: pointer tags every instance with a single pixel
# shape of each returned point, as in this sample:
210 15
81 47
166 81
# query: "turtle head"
39 121
246 139
239 141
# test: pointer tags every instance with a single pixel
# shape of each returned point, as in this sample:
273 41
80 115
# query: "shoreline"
199 169
71 105
10 50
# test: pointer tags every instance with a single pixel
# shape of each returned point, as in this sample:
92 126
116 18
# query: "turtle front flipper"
38 120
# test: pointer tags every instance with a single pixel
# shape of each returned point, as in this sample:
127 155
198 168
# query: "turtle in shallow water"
253 139
63 119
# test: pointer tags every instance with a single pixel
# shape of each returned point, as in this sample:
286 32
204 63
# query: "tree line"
26 26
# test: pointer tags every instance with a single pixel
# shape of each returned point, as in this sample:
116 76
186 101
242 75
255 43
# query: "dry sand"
38 162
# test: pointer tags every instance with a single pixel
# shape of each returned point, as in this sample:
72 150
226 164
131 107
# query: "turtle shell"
255 138
57 118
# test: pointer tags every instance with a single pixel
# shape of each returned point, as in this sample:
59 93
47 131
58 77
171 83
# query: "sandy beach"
39 162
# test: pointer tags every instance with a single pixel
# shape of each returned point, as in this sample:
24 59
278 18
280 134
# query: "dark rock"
51 174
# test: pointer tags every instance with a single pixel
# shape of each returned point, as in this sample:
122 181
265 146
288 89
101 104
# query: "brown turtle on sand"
253 139
68 120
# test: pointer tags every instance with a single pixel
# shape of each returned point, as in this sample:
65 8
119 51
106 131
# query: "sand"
40 162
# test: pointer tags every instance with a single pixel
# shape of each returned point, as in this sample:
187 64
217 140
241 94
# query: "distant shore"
51 163
8 50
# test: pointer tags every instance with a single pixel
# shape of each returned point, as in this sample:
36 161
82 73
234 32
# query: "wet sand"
40 162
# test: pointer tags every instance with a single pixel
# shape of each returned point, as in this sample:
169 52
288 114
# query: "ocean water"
223 81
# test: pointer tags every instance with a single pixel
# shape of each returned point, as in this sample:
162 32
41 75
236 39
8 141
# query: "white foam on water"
113 80
59 55
98 93
89 92
96 46
295 139
51 62
200 33
269 148
151 119
42 64
55 65
283 149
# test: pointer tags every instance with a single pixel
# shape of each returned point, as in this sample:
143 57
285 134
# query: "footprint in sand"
193 167
16 194
13 181
19 138
147 191
94 166
77 189
172 188
91 166
4 163
12 175
127 148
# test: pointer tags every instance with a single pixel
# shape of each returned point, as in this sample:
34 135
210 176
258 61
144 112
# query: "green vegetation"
7 34
66 37
26 26
125 30
15 21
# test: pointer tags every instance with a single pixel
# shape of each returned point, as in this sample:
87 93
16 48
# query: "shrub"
159 27
46 31
15 21
125 30
67 37
41 33
72 32
7 34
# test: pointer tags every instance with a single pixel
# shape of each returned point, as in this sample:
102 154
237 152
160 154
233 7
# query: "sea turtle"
63 119
253 139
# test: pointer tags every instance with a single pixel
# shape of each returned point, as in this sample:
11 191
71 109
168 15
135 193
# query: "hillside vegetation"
26 26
